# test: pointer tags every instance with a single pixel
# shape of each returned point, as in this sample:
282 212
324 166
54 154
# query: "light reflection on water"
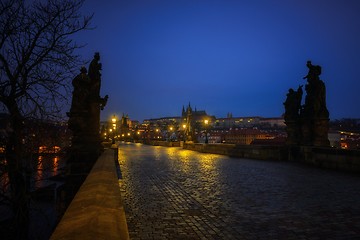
56 163
4 178
41 169
45 167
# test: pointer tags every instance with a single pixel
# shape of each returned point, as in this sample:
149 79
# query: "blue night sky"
222 56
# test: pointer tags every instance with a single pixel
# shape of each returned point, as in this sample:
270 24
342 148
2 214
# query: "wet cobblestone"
171 193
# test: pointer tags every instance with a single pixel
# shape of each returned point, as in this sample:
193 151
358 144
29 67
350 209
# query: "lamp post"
156 135
170 138
184 132
138 136
206 136
111 134
113 121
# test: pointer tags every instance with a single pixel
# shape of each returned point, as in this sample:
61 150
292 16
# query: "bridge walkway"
172 193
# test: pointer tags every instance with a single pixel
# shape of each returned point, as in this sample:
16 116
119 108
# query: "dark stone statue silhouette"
314 71
94 72
292 115
84 122
84 115
80 103
293 104
311 125
96 102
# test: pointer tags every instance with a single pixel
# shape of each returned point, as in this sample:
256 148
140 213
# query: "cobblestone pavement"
171 193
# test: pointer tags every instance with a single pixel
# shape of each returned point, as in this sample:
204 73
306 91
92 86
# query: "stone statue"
292 115
84 115
94 74
81 90
314 72
315 101
95 67
97 103
103 102
80 101
293 104
313 117
84 122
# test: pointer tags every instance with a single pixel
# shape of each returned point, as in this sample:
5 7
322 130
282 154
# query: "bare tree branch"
37 51
37 63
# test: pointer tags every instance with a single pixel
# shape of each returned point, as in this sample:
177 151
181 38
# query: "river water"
43 176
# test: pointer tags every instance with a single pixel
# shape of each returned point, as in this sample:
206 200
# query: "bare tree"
37 61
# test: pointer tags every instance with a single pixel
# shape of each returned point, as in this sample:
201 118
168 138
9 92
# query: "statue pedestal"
306 132
293 132
321 129
81 158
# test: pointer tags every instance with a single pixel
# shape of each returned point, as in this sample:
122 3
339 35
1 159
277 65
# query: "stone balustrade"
97 211
324 157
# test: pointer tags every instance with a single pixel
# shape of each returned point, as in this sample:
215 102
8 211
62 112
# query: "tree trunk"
16 170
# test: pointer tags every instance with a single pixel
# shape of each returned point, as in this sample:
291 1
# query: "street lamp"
113 120
184 134
171 134
156 135
206 136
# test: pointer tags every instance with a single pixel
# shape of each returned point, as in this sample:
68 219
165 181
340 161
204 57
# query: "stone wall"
330 158
241 151
96 211
164 143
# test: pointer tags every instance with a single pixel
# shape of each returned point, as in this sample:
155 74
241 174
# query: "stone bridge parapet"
323 157
97 211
